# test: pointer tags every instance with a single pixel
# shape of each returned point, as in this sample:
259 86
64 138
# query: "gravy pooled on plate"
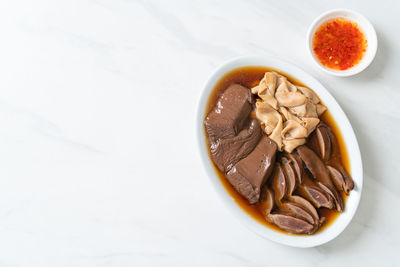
299 189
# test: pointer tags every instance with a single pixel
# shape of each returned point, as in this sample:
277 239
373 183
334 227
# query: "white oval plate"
344 126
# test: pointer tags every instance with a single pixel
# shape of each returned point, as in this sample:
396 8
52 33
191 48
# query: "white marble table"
98 160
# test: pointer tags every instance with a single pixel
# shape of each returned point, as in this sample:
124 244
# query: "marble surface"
98 159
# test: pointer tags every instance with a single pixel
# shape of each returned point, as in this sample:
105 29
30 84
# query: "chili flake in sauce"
339 44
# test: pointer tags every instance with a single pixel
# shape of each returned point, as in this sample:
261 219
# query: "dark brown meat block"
227 152
230 112
243 185
249 174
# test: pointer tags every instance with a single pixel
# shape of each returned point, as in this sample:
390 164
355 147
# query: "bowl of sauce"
342 42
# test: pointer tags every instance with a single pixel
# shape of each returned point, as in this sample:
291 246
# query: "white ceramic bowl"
364 25
348 134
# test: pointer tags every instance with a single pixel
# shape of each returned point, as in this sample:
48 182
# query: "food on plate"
276 150
249 174
339 44
289 113
230 112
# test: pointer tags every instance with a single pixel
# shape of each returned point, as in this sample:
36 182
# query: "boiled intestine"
288 112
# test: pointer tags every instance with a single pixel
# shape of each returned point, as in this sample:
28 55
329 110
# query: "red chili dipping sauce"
339 44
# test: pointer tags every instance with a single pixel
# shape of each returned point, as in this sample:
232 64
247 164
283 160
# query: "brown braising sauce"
249 77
